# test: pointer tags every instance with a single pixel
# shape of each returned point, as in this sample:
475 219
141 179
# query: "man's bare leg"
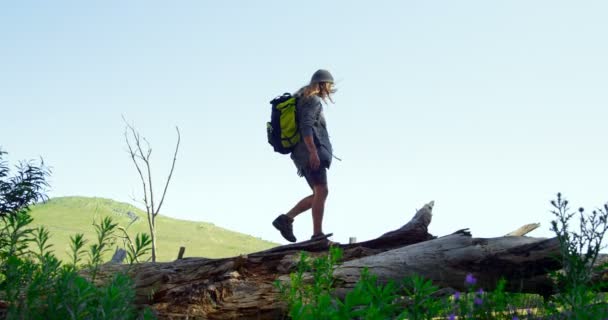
318 207
302 206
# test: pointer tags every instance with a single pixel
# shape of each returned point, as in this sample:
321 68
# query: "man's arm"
314 161
308 113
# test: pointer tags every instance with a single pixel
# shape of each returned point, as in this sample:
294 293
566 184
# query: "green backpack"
282 130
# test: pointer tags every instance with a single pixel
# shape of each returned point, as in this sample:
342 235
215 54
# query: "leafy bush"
34 284
38 286
27 186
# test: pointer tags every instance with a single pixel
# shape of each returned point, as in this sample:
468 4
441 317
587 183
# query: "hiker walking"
312 155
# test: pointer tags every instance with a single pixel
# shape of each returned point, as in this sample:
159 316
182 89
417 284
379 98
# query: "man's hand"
314 161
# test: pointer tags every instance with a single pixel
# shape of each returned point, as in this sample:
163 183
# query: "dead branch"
523 230
162 199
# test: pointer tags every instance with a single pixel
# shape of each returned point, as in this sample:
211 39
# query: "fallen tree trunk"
242 287
447 261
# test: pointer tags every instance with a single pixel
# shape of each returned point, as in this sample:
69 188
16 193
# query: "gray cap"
322 76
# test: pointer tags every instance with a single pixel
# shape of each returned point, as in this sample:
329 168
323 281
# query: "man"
312 155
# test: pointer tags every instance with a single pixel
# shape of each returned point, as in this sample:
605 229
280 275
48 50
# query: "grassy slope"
71 215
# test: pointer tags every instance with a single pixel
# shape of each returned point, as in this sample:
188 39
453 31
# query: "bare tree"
141 158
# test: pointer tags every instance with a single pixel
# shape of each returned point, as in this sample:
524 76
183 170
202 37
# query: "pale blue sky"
487 107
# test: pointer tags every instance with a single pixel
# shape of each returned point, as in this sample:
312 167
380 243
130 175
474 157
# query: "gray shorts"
316 177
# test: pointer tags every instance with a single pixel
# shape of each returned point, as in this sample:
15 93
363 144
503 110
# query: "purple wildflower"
478 301
452 317
480 291
457 295
470 280
515 318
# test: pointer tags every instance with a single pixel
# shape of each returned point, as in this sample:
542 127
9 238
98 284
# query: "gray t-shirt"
309 112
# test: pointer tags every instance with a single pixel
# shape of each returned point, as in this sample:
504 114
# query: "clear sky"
487 107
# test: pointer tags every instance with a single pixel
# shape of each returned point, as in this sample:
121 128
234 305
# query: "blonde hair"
323 90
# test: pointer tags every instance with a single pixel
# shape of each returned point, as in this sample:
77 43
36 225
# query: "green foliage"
34 282
142 247
579 252
77 243
105 240
27 186
369 300
308 300
310 293
420 295
59 293
475 303
38 286
41 238
14 234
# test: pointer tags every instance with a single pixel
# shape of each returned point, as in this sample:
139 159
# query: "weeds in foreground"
36 285
578 293
310 293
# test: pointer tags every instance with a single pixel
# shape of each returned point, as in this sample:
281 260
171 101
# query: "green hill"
67 216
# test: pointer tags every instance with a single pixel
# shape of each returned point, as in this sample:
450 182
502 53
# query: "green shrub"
38 286
309 294
34 283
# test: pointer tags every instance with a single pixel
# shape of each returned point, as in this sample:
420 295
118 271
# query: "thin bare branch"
133 157
146 159
170 172
132 196
149 147
150 180
137 137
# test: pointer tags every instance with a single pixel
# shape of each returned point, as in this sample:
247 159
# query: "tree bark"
243 287
449 259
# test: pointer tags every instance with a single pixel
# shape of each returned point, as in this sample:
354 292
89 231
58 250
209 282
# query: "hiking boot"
323 236
318 236
283 223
